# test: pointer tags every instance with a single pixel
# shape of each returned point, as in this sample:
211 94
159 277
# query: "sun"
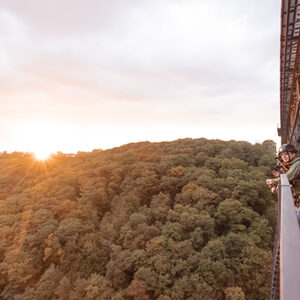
42 154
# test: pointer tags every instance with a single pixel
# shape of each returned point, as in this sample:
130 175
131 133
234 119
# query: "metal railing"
285 283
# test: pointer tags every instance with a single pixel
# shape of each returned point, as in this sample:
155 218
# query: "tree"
189 219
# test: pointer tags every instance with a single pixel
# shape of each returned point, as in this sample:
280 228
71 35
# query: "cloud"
150 63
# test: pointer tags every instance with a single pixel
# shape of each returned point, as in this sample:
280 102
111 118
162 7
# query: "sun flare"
42 154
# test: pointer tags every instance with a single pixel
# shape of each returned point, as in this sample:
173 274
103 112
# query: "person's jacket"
293 174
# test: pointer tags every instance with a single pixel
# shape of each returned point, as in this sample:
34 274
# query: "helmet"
287 148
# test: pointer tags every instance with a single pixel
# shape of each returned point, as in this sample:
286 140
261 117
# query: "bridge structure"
290 72
285 284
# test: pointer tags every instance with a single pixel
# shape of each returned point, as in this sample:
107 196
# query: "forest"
189 219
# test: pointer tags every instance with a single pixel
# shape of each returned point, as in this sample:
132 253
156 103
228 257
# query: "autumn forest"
189 219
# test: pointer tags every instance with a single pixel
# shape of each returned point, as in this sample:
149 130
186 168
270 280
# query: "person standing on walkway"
288 154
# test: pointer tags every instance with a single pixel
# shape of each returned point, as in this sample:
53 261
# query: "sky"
78 75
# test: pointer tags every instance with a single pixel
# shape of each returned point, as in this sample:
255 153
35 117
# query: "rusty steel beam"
289 71
283 48
294 52
296 112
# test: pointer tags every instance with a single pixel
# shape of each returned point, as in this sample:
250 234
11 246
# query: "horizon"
137 142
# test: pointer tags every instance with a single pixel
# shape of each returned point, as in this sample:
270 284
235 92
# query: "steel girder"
290 72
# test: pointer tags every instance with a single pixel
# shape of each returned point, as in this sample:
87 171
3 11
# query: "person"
288 154
281 168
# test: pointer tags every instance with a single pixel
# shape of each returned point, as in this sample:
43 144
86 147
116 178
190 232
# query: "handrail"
286 265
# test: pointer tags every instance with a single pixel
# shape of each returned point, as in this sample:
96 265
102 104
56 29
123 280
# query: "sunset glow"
42 137
136 139
112 79
42 154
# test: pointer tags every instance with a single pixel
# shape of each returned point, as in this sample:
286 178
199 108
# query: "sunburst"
42 154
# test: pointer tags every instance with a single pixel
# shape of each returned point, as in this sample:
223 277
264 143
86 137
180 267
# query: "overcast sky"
80 75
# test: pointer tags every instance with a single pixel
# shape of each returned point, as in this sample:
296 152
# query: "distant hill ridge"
188 219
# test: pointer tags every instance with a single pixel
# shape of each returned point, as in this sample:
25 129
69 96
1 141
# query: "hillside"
189 219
